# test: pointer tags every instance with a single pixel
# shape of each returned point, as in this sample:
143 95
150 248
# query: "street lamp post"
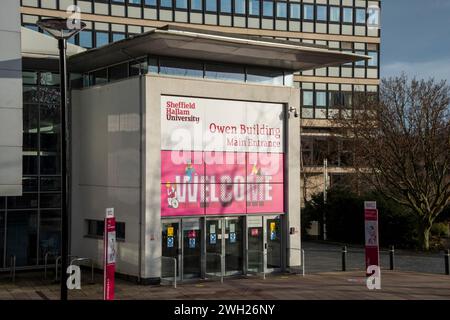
63 29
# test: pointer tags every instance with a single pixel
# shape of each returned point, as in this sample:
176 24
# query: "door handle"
265 245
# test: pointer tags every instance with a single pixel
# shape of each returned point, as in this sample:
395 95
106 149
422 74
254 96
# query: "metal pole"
45 265
344 258
92 271
391 258
447 262
303 262
221 268
64 211
13 268
175 273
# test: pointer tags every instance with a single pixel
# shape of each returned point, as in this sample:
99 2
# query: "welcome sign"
221 157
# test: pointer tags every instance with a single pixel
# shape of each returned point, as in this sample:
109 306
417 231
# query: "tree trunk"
424 235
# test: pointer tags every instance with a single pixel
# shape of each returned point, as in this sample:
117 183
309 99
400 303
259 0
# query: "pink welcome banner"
243 183
221 157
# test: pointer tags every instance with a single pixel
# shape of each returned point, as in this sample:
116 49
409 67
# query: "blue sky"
416 38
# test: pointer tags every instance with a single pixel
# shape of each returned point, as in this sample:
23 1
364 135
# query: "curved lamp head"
61 28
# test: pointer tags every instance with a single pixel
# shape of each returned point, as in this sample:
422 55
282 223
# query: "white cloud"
438 69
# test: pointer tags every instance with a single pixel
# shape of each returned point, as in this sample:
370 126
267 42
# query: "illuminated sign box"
221 157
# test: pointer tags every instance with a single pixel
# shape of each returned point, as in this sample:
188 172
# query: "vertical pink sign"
371 234
109 262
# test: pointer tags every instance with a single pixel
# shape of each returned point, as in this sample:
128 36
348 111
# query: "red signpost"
109 258
371 234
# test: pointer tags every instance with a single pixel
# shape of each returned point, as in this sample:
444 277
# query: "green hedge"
344 212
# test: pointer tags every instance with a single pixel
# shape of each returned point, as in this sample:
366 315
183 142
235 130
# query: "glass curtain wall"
33 220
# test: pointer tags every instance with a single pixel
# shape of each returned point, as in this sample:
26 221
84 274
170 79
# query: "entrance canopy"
192 43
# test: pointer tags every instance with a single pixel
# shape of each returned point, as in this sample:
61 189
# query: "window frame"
304 6
249 4
286 10
344 10
355 18
326 13
299 6
272 15
330 10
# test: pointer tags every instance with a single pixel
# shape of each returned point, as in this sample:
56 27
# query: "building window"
308 12
181 68
268 76
335 14
282 10
166 4
100 76
225 6
322 13
321 105
117 36
268 9
31 26
101 38
21 238
295 11
86 39
117 72
196 5
307 104
361 63
348 99
360 16
321 99
308 99
335 99
348 15
239 7
224 72
135 2
49 232
138 67
151 3
253 8
181 4
95 229
211 6
373 62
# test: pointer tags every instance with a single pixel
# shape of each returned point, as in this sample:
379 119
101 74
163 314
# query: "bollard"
344 258
447 262
391 258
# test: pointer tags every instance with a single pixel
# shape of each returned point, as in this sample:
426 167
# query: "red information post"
371 234
109 257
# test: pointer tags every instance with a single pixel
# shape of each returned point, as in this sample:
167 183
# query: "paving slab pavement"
319 286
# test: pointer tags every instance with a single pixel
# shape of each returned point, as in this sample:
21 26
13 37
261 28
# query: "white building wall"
106 171
10 100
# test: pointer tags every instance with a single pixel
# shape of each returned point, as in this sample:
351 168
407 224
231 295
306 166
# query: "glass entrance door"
192 237
273 242
255 244
170 248
224 245
263 244
233 252
213 246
